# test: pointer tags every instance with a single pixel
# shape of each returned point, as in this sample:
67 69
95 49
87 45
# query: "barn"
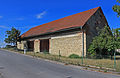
69 35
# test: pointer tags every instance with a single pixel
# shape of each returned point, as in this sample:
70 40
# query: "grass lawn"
101 63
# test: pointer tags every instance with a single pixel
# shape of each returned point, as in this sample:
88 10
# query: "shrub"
74 56
9 46
102 45
37 52
45 52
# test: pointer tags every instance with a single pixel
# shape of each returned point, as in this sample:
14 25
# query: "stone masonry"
68 45
70 42
20 45
36 45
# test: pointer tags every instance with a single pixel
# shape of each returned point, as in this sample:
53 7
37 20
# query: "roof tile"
75 20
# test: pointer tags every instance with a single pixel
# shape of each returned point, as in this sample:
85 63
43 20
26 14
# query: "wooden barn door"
44 45
30 45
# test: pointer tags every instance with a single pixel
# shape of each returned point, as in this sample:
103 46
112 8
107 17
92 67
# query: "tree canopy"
116 8
107 41
104 44
12 36
116 34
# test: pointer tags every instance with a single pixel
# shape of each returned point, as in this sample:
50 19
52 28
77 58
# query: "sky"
25 14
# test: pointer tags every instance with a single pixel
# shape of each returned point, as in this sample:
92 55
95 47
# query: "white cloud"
5 27
1 16
39 16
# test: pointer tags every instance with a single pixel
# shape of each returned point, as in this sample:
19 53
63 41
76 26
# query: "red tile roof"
75 20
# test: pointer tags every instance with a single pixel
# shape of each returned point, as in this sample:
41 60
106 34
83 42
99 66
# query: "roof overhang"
48 33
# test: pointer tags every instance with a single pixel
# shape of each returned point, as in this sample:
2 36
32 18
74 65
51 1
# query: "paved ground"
14 65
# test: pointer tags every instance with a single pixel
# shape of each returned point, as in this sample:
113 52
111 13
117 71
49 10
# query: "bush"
102 45
45 52
9 46
74 56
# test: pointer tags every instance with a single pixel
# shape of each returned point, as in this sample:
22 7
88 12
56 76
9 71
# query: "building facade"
66 36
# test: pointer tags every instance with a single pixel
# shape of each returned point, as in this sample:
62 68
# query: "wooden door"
30 45
44 45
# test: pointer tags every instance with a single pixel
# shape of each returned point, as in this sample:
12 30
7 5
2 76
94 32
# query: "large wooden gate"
44 45
30 45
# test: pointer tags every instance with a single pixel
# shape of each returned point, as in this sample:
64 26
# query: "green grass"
102 63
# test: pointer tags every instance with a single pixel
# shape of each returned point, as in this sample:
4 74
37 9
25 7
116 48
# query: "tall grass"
101 63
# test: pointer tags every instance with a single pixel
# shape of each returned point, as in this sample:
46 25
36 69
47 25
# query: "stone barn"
69 35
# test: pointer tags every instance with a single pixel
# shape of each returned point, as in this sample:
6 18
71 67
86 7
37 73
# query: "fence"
106 63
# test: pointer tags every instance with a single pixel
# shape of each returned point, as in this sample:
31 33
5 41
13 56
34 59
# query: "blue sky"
25 14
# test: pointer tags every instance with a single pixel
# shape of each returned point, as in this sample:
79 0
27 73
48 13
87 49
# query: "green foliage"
45 52
74 56
103 45
116 8
116 34
12 36
9 46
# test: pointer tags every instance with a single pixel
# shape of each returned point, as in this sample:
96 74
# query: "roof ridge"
68 16
69 21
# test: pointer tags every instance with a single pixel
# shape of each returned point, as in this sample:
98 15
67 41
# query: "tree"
102 45
116 8
12 36
116 34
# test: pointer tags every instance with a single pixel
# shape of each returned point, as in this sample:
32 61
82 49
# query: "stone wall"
94 25
71 42
37 45
68 45
20 45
